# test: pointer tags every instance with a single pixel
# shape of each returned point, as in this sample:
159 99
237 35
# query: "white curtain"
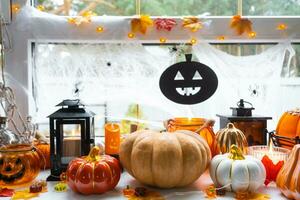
253 78
120 74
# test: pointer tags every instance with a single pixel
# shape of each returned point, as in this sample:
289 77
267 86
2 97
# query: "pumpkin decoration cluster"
160 159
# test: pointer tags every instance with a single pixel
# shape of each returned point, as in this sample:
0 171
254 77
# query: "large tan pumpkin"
165 160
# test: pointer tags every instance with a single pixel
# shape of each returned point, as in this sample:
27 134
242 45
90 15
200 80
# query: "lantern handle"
188 57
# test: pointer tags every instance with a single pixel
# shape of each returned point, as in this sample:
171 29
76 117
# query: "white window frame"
19 62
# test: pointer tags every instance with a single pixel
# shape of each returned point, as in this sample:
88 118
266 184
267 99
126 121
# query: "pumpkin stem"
94 154
235 153
230 125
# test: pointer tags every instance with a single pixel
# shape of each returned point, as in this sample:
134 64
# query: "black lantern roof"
72 109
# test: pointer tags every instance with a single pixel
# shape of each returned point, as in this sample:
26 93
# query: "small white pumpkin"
236 172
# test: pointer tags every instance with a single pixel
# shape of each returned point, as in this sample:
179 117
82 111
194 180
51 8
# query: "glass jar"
19 164
203 127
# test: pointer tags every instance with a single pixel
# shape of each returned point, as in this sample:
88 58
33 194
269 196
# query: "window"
173 7
54 39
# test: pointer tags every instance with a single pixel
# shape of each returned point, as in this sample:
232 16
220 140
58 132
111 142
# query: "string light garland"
15 8
252 34
193 41
221 37
130 35
99 29
281 27
162 40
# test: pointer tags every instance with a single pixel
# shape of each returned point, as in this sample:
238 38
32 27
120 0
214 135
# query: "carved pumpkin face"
19 164
188 82
11 169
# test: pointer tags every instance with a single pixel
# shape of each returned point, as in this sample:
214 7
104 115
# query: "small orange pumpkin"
289 124
288 178
43 149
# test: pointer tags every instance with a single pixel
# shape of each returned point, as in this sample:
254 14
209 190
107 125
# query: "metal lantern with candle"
273 159
112 139
71 135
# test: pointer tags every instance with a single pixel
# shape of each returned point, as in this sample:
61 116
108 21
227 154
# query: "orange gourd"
289 124
19 164
43 149
288 178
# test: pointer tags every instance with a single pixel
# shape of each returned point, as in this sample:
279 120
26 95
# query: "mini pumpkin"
165 160
93 174
289 124
236 172
19 164
288 178
229 136
43 149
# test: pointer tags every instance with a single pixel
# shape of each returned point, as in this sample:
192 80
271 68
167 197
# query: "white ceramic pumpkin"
236 172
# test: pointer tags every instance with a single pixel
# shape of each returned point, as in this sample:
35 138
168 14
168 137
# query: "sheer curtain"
122 74
253 78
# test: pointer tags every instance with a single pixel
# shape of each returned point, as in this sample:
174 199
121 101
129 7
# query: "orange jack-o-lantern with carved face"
19 164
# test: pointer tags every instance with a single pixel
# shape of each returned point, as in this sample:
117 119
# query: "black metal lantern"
71 135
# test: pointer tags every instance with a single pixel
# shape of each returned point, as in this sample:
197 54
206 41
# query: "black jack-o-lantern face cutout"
188 82
11 169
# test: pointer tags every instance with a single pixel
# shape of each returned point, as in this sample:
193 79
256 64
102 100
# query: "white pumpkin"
236 172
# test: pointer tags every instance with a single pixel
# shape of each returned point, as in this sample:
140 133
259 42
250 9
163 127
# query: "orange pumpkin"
289 124
93 174
288 178
19 164
43 149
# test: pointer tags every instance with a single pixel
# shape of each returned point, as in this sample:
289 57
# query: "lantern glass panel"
71 142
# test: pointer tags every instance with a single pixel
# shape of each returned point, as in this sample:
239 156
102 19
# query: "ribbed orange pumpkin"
43 149
288 178
165 160
289 124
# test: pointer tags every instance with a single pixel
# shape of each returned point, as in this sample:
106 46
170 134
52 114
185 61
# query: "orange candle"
112 138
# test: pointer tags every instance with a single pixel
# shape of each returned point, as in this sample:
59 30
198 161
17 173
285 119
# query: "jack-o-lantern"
19 164
43 149
188 82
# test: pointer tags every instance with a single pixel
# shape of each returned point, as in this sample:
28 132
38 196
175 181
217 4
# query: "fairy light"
221 37
15 8
100 29
252 34
162 40
130 35
281 27
193 41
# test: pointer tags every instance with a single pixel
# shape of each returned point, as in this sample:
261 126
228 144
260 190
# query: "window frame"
19 58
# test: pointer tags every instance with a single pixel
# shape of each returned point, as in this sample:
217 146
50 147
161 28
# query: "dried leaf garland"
241 25
141 25
192 23
165 24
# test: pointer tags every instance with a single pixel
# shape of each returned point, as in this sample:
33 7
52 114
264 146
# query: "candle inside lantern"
112 138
